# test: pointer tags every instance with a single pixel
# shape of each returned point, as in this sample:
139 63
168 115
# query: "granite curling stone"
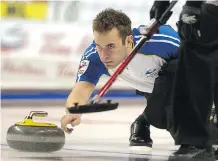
213 126
33 136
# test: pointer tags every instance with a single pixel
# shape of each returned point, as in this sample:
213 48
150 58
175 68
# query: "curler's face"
111 49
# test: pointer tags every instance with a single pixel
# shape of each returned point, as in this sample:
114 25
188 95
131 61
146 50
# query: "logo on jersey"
83 66
151 73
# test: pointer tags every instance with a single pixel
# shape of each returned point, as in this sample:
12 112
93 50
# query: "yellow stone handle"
28 121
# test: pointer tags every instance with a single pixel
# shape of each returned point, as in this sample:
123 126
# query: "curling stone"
33 136
213 125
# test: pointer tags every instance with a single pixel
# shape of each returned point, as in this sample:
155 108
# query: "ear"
129 41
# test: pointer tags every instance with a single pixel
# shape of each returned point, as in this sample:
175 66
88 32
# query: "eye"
111 46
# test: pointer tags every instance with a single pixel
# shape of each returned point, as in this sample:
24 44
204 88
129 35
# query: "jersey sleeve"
165 43
90 68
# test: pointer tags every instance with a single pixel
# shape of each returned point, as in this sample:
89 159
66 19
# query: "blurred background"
42 43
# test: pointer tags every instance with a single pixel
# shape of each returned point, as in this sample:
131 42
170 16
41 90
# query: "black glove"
189 23
158 9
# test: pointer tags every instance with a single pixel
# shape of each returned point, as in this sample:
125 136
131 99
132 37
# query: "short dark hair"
109 18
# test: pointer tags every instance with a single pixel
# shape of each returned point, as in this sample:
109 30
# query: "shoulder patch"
83 66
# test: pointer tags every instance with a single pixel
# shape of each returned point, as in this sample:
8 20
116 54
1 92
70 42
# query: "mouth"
108 62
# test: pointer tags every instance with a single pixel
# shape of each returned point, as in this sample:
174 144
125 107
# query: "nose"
105 54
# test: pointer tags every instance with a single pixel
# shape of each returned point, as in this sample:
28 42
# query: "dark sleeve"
196 4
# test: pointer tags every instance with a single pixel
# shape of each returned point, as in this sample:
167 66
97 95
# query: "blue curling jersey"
143 69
